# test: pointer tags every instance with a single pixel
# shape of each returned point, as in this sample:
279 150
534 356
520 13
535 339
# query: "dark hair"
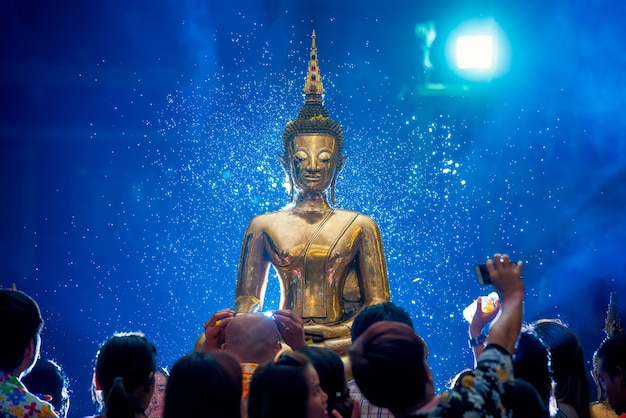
20 319
48 378
124 363
332 374
279 388
383 352
568 364
204 384
531 361
386 311
612 354
525 401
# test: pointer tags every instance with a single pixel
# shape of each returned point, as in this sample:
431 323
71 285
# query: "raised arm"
507 280
254 265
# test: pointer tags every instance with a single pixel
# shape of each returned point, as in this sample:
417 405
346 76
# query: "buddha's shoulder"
277 216
269 218
357 220
350 213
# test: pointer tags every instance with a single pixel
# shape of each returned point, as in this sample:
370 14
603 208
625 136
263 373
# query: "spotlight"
477 50
474 52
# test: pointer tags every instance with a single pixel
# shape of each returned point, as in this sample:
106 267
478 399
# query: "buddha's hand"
291 328
320 332
214 329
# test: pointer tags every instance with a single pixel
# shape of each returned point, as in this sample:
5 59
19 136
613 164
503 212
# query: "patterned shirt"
479 392
17 402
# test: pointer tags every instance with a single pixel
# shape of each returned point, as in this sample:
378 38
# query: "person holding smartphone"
389 351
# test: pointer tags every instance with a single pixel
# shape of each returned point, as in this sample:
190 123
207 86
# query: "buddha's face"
313 162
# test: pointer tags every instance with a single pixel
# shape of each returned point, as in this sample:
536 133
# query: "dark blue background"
138 139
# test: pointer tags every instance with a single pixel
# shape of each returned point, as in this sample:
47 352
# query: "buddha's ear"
284 163
341 163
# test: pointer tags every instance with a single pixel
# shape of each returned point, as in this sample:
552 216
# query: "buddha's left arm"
371 263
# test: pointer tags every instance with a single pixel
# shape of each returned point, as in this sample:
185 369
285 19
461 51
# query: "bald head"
253 338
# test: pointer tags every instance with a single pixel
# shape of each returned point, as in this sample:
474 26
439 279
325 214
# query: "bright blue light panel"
478 50
474 52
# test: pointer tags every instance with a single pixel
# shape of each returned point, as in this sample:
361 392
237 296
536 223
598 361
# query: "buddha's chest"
334 241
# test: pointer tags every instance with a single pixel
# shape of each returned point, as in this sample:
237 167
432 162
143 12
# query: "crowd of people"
261 366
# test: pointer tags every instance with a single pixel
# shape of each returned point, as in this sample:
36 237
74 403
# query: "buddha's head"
313 155
313 142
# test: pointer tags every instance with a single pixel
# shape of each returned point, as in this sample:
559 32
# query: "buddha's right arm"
252 275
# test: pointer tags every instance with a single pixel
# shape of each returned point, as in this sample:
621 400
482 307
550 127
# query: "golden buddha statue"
330 262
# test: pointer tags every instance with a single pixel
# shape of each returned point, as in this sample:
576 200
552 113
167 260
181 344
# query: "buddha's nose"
314 166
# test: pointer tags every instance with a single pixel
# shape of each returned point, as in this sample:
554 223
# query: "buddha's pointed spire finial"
613 324
313 89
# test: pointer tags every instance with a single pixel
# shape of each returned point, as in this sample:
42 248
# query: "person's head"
286 387
383 352
611 360
531 362
48 381
21 319
157 401
332 375
125 366
567 363
252 338
386 311
204 384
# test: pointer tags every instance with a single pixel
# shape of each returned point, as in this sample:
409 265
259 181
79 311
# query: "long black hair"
204 384
332 374
279 388
124 363
568 364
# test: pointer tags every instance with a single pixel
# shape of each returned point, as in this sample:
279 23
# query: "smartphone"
482 274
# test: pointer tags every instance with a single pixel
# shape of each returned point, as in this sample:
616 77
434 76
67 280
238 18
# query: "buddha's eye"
300 156
324 157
